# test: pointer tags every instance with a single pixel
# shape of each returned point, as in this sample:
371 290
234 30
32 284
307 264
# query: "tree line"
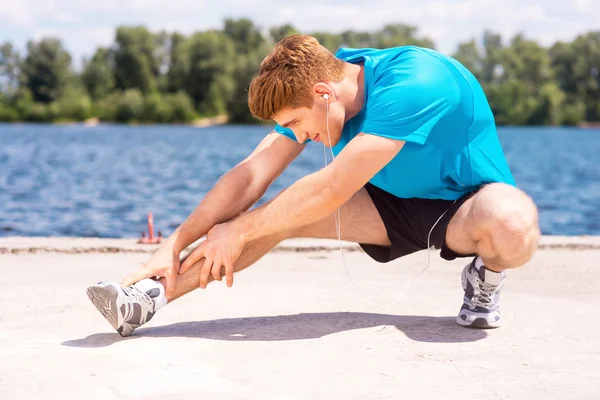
160 77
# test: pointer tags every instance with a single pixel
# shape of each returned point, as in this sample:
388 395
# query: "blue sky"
87 24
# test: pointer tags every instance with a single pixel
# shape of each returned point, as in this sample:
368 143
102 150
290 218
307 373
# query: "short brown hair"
287 74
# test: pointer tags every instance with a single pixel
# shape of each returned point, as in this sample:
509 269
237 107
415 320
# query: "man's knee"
510 219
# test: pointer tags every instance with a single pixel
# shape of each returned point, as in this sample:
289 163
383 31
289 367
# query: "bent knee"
511 218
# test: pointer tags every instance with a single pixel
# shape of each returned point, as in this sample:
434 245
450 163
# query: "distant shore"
224 120
92 122
198 123
589 125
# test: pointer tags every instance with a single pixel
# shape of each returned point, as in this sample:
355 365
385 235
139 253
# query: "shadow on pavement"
297 327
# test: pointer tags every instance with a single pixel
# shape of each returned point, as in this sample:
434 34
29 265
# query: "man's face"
311 123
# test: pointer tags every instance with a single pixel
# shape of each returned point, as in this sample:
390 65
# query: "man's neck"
353 90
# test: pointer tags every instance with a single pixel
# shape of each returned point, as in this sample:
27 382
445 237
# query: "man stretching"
418 163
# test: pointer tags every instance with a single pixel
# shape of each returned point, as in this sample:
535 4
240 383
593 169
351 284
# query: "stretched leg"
128 308
360 222
500 225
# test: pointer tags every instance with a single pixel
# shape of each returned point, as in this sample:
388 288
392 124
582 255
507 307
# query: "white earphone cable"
338 231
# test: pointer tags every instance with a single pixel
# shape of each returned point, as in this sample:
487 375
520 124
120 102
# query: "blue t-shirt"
437 106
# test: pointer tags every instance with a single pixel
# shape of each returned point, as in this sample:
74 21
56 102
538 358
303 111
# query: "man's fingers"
216 269
187 263
171 282
229 274
206 268
191 259
182 260
135 277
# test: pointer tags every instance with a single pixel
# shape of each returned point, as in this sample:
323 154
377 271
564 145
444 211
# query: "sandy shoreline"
294 327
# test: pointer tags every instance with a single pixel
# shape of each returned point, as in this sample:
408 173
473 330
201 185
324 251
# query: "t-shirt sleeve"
287 132
408 99
284 131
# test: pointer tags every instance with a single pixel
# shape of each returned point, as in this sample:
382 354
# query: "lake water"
103 181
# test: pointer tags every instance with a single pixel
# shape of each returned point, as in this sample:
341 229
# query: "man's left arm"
320 194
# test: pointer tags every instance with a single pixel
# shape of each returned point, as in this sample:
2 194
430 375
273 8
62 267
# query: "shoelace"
138 295
484 295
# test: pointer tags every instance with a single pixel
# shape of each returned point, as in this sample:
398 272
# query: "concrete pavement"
294 327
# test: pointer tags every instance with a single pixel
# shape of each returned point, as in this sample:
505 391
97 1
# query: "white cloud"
65 17
103 5
16 12
439 9
340 12
43 33
583 5
101 34
185 29
164 5
533 13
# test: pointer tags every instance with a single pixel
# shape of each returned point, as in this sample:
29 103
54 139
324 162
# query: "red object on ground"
151 239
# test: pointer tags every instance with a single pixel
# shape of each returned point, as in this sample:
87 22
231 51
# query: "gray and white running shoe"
481 303
124 308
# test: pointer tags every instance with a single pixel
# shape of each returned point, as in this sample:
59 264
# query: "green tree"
157 109
209 80
98 74
172 107
237 106
469 55
182 107
246 36
352 38
9 82
46 69
74 104
492 44
162 55
179 63
277 33
9 69
520 82
394 35
577 66
8 113
330 41
130 107
107 107
162 77
136 66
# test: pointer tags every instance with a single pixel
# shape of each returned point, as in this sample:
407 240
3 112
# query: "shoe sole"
105 300
478 323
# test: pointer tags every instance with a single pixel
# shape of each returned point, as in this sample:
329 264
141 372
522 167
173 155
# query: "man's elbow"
336 193
257 188
252 186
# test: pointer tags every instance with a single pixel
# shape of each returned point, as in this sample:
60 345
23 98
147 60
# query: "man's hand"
222 248
164 263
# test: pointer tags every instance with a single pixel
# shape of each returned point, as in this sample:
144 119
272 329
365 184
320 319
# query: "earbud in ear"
326 96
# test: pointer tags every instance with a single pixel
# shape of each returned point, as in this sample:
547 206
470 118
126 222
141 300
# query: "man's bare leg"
127 308
360 222
500 225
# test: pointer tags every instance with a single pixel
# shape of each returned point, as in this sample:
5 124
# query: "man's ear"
320 89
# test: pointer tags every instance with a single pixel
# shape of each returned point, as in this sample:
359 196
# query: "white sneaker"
127 308
482 288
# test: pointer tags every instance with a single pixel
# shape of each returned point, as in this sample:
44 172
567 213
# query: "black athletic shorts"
408 222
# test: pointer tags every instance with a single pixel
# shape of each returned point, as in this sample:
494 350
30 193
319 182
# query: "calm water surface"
102 181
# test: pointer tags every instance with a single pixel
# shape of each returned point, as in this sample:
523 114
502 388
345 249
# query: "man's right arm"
237 190
234 193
